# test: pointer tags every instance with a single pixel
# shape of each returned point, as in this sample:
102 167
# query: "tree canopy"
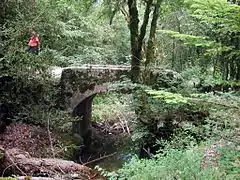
178 34
182 95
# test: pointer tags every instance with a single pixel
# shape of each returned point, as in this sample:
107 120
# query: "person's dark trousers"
33 50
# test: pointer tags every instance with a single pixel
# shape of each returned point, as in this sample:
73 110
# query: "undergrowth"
111 107
214 156
178 164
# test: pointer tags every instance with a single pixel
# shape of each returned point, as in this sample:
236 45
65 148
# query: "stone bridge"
78 87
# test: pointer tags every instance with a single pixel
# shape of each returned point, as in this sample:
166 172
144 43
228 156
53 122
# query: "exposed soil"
30 138
108 140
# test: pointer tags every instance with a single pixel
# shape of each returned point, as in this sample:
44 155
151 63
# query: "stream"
110 148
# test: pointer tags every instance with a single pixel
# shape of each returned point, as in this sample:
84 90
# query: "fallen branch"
50 138
98 159
7 169
15 165
126 124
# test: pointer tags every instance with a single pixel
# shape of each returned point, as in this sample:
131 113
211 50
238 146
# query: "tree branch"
150 47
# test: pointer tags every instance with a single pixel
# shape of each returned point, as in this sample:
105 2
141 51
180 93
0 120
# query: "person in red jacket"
33 43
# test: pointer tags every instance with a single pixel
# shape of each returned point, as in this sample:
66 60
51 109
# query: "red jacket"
34 41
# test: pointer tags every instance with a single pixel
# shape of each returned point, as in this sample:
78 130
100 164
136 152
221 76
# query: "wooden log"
22 164
34 178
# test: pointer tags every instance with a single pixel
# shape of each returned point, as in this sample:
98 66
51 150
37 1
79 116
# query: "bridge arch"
79 85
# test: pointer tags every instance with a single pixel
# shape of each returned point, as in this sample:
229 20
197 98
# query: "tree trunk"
137 40
232 72
133 26
151 48
238 70
173 54
226 71
21 163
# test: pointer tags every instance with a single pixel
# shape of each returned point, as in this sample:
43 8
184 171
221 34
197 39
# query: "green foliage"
203 33
223 19
183 157
109 175
7 178
42 115
176 164
71 32
112 106
164 78
168 119
200 34
230 160
67 33
173 164
168 97
212 47
191 39
219 12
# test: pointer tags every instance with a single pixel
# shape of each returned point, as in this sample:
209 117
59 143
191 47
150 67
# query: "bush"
164 116
181 164
111 106
173 164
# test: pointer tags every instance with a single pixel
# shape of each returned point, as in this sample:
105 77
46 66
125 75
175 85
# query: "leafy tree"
223 19
219 38
137 33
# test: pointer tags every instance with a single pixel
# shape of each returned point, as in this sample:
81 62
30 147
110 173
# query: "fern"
168 97
219 12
